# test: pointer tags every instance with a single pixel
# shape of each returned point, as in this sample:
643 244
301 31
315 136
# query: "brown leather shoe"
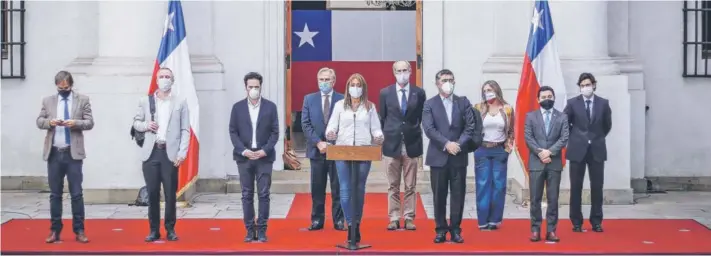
551 237
394 225
81 237
535 237
52 238
410 225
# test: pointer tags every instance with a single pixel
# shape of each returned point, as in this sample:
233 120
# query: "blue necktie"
66 117
403 103
548 122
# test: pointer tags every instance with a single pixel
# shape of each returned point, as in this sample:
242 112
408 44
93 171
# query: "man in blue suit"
449 122
315 114
254 131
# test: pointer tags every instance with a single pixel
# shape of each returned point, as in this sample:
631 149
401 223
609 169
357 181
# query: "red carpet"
376 206
287 236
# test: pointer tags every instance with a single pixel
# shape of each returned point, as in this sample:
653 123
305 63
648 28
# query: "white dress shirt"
592 103
60 131
323 97
162 116
447 102
365 126
253 115
400 92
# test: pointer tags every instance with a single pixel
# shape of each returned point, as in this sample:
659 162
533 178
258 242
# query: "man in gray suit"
167 137
65 117
546 133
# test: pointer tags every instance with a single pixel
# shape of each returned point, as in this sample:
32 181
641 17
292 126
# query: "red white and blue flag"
350 41
173 54
541 66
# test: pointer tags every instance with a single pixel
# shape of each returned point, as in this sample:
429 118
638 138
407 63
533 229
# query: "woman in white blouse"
354 122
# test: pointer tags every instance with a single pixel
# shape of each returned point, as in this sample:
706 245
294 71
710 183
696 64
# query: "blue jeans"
344 178
490 176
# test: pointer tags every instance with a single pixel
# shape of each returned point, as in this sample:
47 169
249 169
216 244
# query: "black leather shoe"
551 237
153 236
535 237
339 226
457 238
441 237
577 228
262 235
251 236
171 235
597 228
316 225
493 227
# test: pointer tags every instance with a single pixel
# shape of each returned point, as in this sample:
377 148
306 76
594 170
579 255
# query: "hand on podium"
331 135
378 139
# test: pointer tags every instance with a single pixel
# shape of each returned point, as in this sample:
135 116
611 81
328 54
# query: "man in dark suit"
590 119
449 123
546 133
400 111
315 114
254 131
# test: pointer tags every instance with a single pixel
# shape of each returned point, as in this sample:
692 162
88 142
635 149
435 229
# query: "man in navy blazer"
450 124
254 131
315 114
400 111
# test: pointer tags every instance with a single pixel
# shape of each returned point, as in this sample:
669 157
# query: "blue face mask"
325 87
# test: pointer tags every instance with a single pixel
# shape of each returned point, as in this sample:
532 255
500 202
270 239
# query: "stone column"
274 67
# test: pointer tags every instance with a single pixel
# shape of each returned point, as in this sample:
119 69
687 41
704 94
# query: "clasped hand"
331 135
59 122
452 147
379 139
545 156
254 155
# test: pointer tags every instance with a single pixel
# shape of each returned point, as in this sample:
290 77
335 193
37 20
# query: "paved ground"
674 205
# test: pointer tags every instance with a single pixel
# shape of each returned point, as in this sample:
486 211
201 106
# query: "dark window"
697 38
12 16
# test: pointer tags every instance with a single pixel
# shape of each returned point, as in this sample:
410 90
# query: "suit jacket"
397 127
312 122
584 134
536 139
80 112
177 137
439 131
241 129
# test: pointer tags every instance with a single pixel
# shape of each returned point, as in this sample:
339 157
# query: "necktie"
66 117
587 110
403 103
548 122
326 108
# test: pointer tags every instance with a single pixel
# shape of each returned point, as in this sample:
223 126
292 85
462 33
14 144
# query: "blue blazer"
241 129
439 131
312 122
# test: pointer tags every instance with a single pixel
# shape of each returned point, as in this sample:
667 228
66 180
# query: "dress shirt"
60 131
162 116
366 125
253 115
592 103
447 102
330 98
399 93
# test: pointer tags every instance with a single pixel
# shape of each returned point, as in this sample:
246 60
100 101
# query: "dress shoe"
52 238
535 237
357 233
394 225
262 235
457 238
441 237
410 225
171 235
493 227
339 226
597 228
551 237
577 228
153 236
81 237
251 236
316 226
350 235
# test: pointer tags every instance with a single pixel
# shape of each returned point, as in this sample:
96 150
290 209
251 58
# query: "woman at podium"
354 122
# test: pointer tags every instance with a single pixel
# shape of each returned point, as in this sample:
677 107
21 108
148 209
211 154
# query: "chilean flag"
541 66
173 54
350 41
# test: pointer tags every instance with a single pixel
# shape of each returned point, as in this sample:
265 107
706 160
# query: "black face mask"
64 93
547 104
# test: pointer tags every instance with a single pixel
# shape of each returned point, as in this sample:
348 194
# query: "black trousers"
597 179
444 180
259 172
550 179
323 170
157 170
59 165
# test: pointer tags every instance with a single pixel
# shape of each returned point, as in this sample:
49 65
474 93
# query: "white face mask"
355 92
254 93
587 91
489 96
403 78
447 88
164 84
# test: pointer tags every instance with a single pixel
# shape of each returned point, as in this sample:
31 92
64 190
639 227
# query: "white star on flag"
306 36
169 23
536 20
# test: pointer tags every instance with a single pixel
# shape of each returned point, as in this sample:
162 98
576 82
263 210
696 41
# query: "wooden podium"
351 154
